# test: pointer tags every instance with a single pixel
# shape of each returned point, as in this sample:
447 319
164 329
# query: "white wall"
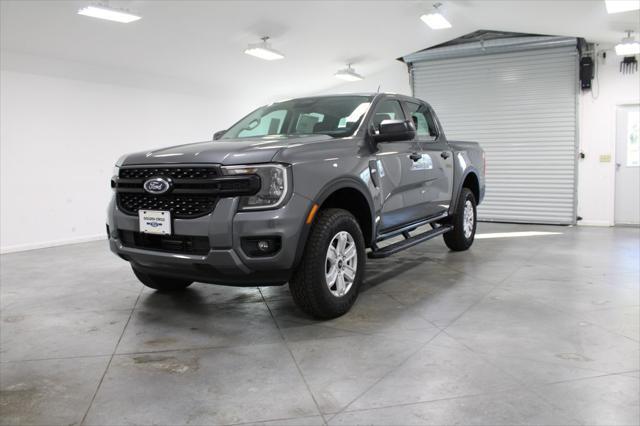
596 180
60 138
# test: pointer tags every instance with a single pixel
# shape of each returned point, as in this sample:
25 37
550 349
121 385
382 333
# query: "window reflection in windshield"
336 116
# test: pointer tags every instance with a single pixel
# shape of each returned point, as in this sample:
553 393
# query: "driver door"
400 171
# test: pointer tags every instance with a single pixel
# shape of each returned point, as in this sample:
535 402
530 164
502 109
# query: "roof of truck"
333 95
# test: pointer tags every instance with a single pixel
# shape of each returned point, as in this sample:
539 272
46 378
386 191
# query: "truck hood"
228 151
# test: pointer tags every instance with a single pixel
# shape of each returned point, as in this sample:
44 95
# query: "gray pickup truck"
300 191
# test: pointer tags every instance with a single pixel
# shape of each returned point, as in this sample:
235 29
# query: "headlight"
114 175
274 187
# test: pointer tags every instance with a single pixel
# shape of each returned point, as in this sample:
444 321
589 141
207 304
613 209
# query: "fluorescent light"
617 6
110 14
435 21
263 51
628 48
348 74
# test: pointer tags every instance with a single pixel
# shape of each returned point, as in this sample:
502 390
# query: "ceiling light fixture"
629 46
436 20
617 6
348 74
263 51
101 11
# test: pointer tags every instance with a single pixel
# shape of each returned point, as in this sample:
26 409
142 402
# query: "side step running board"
378 253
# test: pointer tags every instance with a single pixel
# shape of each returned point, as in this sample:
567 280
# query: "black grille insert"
168 243
180 206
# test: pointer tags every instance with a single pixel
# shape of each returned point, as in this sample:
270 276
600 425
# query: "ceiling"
197 46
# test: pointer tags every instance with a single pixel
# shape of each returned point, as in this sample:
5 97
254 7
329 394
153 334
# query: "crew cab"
299 192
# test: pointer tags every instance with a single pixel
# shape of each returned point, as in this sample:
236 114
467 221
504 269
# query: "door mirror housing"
217 135
395 130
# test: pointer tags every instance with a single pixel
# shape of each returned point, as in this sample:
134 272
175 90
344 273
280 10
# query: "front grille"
180 206
168 243
172 172
194 192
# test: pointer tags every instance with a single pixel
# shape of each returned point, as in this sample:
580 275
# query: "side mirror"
217 135
395 130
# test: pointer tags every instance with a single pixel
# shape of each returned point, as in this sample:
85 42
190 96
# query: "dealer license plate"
155 222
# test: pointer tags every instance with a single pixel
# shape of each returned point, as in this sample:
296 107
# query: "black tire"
161 283
456 239
308 285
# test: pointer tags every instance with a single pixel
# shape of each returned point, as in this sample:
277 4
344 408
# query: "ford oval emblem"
157 185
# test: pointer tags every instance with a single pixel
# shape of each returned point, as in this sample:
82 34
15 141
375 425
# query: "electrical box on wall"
586 72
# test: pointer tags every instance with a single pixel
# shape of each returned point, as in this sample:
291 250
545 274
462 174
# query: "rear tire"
461 237
161 283
326 283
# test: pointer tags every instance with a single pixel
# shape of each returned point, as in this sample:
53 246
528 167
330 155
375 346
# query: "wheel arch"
349 194
472 182
468 180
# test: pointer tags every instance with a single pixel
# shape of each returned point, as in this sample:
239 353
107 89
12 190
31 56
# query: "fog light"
261 246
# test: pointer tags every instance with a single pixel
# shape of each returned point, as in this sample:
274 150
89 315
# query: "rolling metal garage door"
518 98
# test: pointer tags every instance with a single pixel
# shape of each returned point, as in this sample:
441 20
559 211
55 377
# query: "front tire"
326 283
161 283
461 237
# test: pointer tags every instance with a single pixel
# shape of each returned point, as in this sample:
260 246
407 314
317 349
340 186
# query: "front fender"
326 191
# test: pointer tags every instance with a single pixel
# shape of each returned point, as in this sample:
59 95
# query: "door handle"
415 156
444 154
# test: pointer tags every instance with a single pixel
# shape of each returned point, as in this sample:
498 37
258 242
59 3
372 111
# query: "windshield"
337 116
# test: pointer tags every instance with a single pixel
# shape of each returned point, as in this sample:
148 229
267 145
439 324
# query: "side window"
422 118
307 122
268 124
388 109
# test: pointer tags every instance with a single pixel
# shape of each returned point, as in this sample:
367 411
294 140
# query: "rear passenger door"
437 159
401 176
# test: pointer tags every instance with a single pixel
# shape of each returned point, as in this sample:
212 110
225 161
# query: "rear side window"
388 109
422 118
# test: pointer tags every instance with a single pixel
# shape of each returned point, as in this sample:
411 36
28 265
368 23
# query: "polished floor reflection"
537 328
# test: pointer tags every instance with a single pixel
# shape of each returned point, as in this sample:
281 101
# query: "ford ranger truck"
298 192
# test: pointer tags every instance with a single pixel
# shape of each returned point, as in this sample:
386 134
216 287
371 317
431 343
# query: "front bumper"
225 263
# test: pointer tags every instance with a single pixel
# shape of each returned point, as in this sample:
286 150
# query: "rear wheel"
464 223
160 282
326 283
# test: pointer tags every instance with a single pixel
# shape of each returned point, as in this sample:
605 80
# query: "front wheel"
161 283
326 283
464 223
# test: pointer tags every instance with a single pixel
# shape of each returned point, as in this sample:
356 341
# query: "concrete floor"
527 330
